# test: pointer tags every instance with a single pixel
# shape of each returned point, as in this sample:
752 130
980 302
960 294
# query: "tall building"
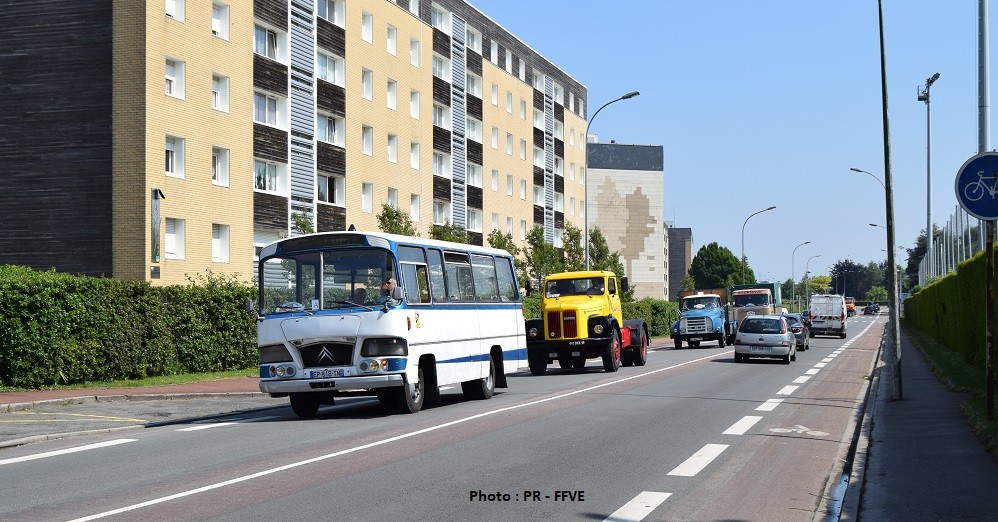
680 257
626 203
160 139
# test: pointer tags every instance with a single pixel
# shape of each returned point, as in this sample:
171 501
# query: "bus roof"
331 239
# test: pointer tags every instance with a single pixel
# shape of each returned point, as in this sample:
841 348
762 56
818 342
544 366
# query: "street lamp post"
743 239
923 96
586 180
793 282
807 271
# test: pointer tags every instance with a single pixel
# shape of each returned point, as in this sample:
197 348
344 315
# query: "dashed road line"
740 427
802 379
207 426
699 460
787 390
65 451
769 405
639 507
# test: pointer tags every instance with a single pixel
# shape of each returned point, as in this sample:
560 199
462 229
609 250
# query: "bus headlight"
283 370
372 365
384 346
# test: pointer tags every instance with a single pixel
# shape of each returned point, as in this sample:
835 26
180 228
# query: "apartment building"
626 191
157 140
680 242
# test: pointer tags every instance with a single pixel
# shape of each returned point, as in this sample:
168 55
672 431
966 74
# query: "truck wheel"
481 389
538 362
625 357
639 355
611 352
409 398
720 341
679 343
305 405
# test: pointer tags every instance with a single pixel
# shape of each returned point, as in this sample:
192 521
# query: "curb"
83 399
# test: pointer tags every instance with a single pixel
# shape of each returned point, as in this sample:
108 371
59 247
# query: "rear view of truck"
828 315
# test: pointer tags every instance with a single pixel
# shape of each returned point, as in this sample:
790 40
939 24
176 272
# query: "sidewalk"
917 458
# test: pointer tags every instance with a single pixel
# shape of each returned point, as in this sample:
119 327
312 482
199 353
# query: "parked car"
871 309
766 336
800 331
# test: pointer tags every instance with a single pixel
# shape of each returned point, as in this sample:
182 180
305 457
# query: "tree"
820 284
540 258
687 283
602 259
301 224
714 266
876 294
449 232
574 254
395 221
745 275
505 242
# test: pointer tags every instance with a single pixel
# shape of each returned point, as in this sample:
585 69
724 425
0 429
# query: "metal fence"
958 240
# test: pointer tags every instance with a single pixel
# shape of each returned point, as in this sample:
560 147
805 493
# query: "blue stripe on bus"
516 354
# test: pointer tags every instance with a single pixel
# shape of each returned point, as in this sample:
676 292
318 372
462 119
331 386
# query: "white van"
828 315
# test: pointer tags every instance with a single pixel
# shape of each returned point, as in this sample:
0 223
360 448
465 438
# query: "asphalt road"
690 436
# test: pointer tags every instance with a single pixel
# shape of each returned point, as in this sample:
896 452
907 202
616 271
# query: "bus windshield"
326 279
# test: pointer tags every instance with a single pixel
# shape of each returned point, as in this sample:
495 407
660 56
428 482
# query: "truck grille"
320 355
695 325
562 325
554 325
570 324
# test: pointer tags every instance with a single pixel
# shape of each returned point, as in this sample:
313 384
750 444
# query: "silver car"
766 336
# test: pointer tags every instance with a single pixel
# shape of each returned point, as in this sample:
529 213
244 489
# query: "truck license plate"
696 338
325 374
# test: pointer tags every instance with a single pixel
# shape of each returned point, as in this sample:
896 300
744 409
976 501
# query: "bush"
62 329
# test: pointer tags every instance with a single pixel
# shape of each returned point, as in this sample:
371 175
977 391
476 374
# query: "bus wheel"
409 397
538 362
611 352
305 405
481 388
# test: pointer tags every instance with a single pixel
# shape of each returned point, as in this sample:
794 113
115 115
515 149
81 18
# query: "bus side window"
484 271
417 287
435 264
507 283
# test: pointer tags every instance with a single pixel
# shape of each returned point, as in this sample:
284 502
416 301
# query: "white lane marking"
820 365
207 426
638 508
382 442
827 360
258 419
787 390
802 379
66 451
812 371
740 427
769 405
699 460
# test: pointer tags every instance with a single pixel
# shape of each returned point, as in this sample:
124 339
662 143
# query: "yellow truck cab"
581 318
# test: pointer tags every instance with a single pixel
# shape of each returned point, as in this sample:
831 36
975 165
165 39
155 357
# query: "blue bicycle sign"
977 186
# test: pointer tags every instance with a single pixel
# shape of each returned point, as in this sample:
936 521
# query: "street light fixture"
923 96
854 169
793 281
808 281
743 238
586 181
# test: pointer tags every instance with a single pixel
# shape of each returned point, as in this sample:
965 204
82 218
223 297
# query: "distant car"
871 309
766 336
800 331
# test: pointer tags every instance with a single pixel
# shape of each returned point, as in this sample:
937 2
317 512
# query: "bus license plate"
325 374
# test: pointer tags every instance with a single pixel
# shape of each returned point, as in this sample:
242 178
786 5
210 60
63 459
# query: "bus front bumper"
338 384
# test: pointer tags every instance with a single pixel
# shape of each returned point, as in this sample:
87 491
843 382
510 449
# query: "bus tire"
538 362
481 389
305 405
409 398
611 352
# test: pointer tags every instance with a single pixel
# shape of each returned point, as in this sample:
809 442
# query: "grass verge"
950 368
161 380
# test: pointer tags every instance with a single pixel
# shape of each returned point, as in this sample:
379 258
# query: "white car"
766 336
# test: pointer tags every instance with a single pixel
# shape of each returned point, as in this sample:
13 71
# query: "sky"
763 103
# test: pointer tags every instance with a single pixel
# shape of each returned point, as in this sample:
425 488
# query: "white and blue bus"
397 317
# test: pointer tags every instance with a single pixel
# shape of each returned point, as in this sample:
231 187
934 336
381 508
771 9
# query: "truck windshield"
582 286
751 299
698 303
335 278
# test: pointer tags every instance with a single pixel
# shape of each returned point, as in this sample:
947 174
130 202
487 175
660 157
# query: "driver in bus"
386 294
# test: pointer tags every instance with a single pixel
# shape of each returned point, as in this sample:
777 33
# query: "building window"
523 109
571 206
265 109
330 69
509 144
393 153
414 104
441 164
329 129
219 243
475 175
265 42
414 155
392 40
571 171
559 238
330 189
175 78
366 26
175 9
509 102
414 207
367 83
266 176
494 54
538 157
509 184
473 85
523 229
173 246
539 119
414 50
331 10
495 137
509 61
571 102
495 180
473 40
220 166
393 198
559 166
495 221
523 71
537 190
439 19
219 92
474 220
509 225
538 80
174 157
367 197
559 202
559 94
367 139
495 95
441 212
559 130
440 116
473 130
220 20
523 149
392 94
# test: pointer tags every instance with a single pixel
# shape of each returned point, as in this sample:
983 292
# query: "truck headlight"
598 329
532 332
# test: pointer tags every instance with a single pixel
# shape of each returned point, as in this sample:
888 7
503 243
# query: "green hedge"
951 310
62 329
659 314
